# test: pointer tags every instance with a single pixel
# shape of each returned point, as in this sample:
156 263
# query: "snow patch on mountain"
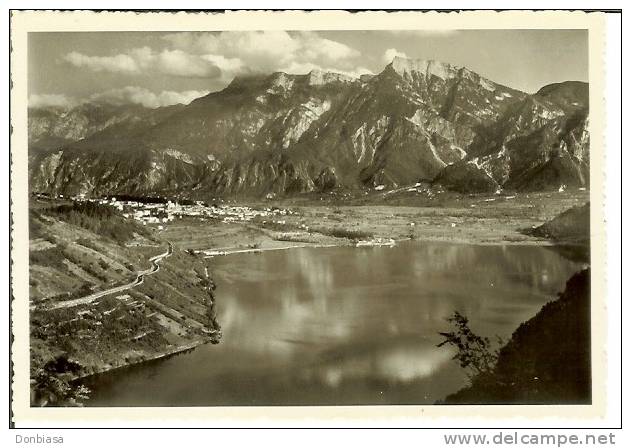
365 140
301 118
480 164
281 81
502 96
179 155
496 165
462 152
548 114
434 152
419 120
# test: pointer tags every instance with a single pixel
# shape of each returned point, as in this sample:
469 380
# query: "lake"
344 325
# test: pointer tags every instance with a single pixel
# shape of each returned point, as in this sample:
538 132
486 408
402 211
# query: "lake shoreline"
223 251
162 354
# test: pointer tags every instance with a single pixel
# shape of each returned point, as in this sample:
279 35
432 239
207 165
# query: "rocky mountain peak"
281 81
427 67
318 77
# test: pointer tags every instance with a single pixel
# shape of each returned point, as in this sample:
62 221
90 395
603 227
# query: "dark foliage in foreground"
546 361
474 354
51 384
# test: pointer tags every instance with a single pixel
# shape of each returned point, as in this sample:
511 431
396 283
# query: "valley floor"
464 219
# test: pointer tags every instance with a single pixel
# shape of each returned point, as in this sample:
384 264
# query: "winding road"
140 278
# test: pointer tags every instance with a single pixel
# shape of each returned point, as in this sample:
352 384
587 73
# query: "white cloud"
315 47
50 100
148 62
224 63
179 63
121 63
145 97
237 52
224 55
391 53
257 45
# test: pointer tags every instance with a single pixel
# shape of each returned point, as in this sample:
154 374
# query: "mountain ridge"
286 134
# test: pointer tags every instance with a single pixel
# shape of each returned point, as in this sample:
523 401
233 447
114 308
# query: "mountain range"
416 121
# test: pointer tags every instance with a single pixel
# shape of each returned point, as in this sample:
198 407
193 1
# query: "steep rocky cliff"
287 134
541 142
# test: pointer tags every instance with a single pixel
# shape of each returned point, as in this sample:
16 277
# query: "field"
495 219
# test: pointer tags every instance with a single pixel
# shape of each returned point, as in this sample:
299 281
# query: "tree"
474 353
51 384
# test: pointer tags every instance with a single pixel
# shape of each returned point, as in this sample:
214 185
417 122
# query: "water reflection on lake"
344 325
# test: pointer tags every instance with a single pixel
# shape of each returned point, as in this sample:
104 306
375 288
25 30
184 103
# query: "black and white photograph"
311 217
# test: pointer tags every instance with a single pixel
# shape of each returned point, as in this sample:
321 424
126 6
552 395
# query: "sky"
163 68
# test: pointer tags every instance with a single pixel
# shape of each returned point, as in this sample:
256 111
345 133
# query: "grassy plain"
495 219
